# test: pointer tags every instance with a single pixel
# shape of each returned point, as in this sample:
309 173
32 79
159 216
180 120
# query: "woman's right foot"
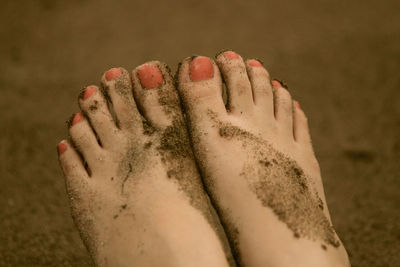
258 164
139 201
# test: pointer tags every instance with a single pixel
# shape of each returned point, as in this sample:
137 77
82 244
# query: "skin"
138 202
228 142
132 211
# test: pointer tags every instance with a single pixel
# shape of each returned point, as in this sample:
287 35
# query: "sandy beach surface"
340 59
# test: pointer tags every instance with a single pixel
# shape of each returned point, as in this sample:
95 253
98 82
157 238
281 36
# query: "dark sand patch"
177 155
281 184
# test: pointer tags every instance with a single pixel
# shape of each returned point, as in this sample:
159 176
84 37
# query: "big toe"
155 94
200 87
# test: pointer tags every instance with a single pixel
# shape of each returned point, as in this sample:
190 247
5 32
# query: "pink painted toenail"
297 104
201 68
231 55
255 63
61 148
89 91
150 76
77 118
275 83
113 73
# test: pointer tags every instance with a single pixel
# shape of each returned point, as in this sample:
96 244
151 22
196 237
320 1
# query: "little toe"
261 85
283 107
155 94
94 105
118 87
71 163
301 131
200 87
233 69
84 139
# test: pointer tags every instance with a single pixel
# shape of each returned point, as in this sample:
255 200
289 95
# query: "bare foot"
257 162
139 201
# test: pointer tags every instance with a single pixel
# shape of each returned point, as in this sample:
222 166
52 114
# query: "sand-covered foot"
135 193
258 165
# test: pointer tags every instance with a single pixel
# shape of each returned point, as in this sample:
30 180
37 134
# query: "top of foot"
135 192
258 165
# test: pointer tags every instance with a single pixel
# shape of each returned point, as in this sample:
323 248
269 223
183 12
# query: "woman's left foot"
135 193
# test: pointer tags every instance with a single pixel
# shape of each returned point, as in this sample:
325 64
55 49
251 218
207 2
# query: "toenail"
201 68
77 118
297 104
89 91
61 148
150 76
231 55
275 83
113 73
255 63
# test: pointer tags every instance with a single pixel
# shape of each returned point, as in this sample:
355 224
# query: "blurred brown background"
340 59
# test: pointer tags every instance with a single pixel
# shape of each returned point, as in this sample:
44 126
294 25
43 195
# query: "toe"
155 94
71 163
283 108
261 86
233 69
300 125
200 87
76 177
94 105
118 87
85 140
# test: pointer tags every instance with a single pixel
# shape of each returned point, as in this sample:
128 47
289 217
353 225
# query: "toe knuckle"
266 73
283 94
